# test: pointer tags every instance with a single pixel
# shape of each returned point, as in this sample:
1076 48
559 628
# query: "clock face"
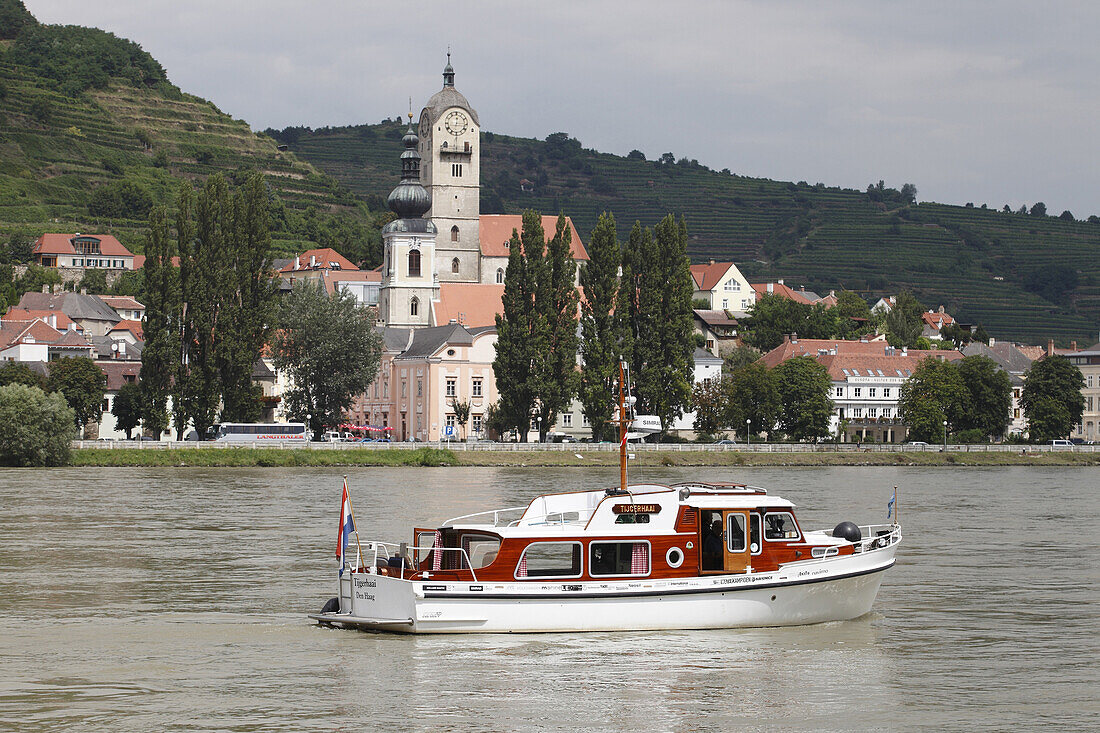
456 123
425 126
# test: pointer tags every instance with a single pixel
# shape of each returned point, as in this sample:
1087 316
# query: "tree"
903 322
852 313
803 385
1039 209
990 391
663 343
161 325
328 347
708 400
909 193
462 413
521 331
36 429
16 372
247 294
753 395
94 281
740 357
83 384
127 408
599 334
1066 215
1052 398
556 305
935 392
774 316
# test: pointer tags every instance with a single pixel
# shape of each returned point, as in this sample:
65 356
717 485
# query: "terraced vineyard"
975 262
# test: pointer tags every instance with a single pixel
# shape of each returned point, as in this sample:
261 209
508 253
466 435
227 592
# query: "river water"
175 599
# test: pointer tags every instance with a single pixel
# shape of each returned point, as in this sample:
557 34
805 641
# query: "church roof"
495 230
446 98
470 304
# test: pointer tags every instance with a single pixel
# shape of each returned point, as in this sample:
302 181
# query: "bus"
261 432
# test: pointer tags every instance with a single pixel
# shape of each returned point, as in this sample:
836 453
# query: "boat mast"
624 420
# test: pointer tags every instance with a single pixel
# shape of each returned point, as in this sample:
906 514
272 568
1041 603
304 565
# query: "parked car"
725 442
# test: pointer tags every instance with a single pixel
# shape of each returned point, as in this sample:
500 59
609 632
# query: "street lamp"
748 429
538 427
945 435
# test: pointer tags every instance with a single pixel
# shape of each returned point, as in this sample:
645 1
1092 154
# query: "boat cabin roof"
612 513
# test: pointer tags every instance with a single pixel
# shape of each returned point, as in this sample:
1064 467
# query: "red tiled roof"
707 276
781 290
24 314
863 349
331 278
323 259
61 244
859 365
937 320
470 304
12 332
133 327
139 261
495 230
122 301
118 371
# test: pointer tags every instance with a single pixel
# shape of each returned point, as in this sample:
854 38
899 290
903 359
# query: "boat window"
735 533
618 558
780 526
632 519
550 559
754 533
481 549
424 542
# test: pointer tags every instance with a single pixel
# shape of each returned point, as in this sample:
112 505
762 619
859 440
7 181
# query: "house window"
839 391
857 412
454 265
871 391
414 263
710 344
476 389
454 233
450 422
414 307
872 412
887 412
500 275
451 386
567 420
725 304
732 285
886 392
456 170
1090 381
858 390
476 423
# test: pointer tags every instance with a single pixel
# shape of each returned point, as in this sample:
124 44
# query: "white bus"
261 432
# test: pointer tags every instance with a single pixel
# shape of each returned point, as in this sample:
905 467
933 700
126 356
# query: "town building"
1088 361
724 288
718 330
94 317
934 322
1015 361
98 251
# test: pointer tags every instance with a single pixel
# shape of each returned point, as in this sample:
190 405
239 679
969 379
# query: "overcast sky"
989 102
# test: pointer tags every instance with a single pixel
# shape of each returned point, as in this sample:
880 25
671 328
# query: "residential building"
934 322
707 367
724 288
785 291
1088 361
718 329
94 317
100 251
127 308
1015 362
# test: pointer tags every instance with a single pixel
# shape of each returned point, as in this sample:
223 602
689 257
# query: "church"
443 260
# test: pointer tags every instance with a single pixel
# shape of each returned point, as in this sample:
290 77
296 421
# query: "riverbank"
282 457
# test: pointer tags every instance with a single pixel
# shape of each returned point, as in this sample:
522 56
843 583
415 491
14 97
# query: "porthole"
674 557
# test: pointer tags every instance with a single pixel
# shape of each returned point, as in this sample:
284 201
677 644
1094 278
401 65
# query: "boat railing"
878 536
498 516
377 552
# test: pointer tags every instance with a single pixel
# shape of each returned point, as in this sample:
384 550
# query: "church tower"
450 146
409 283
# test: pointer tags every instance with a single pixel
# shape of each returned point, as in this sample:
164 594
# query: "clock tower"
450 147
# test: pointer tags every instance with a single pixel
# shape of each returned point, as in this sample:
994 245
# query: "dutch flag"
347 526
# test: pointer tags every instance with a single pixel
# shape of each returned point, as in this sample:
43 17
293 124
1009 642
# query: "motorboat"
642 556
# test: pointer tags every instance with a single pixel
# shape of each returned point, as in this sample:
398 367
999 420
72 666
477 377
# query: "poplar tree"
520 329
599 334
247 295
160 324
556 308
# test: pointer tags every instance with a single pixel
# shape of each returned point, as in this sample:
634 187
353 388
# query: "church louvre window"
454 265
414 263
454 235
456 170
414 307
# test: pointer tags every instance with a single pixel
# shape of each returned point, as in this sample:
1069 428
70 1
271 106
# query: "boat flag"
347 526
890 504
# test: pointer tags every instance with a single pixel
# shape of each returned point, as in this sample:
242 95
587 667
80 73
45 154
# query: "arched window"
454 234
454 265
414 263
500 275
414 307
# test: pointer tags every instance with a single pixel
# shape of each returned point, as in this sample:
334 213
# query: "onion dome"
409 200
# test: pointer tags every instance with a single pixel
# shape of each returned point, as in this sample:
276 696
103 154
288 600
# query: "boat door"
736 553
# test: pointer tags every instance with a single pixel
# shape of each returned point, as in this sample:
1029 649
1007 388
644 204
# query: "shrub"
36 429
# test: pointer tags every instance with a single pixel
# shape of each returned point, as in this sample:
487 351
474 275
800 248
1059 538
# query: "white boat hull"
807 592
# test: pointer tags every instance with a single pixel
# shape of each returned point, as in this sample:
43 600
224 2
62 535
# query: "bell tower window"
454 265
456 170
454 234
414 263
500 275
414 307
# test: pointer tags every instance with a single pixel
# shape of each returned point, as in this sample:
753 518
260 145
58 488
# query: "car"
725 442
917 442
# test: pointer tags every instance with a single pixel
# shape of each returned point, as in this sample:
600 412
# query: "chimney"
794 337
312 261
780 281
941 309
1050 347
45 288
905 351
771 288
712 262
1073 345
992 341
52 320
297 262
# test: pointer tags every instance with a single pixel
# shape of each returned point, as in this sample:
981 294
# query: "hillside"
92 133
1025 277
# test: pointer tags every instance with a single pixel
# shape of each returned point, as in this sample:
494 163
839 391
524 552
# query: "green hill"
92 133
1026 277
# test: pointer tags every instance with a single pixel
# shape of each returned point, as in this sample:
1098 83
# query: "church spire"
448 72
409 200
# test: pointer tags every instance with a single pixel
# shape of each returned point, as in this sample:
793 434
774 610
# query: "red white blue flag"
347 526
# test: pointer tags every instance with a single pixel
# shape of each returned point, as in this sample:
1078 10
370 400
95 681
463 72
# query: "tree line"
636 306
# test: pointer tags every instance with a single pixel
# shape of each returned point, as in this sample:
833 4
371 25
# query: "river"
175 599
